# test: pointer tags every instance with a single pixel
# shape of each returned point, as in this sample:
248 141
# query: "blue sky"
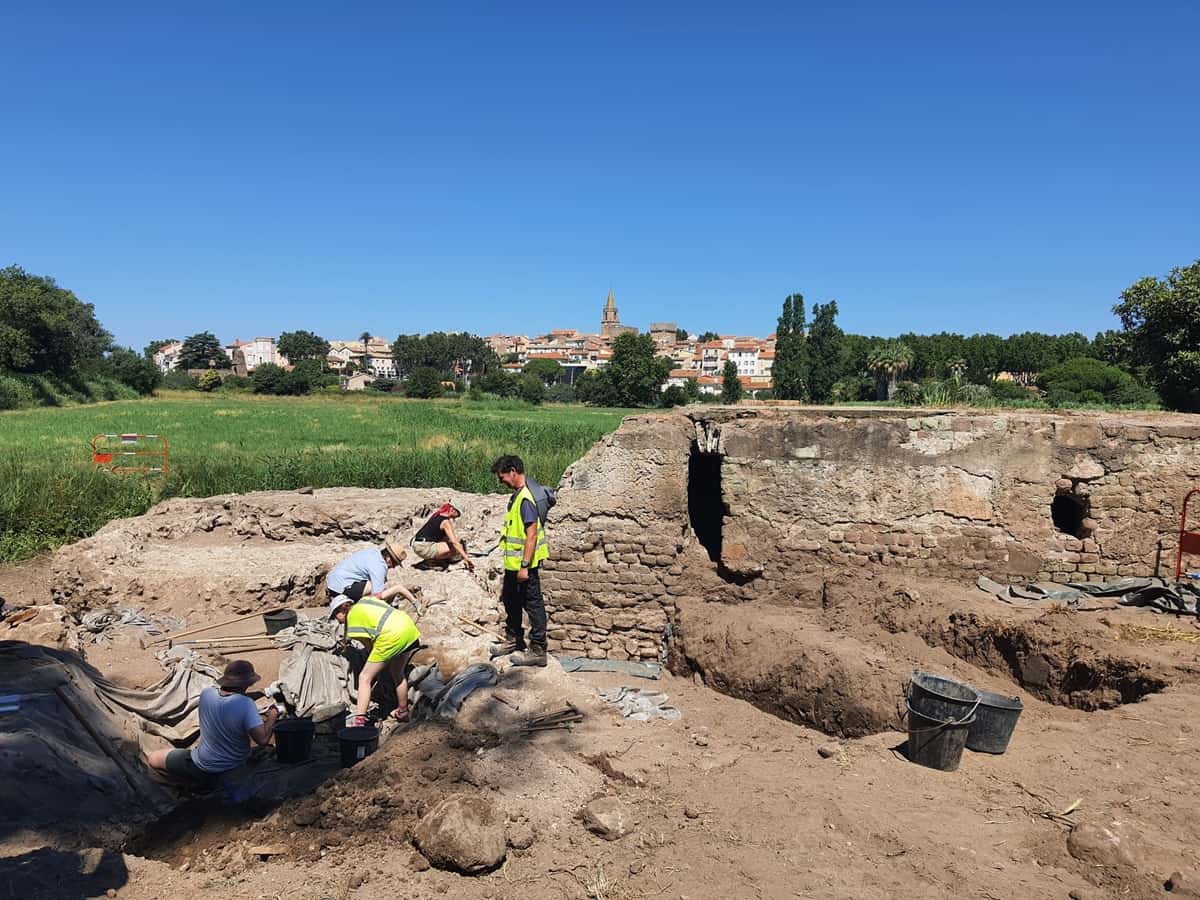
498 167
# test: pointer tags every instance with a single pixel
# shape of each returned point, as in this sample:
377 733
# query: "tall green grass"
50 494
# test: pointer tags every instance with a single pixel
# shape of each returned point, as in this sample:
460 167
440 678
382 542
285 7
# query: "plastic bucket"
358 743
937 743
941 698
294 740
279 620
994 722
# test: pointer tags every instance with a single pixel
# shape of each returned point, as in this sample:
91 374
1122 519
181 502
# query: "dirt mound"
252 551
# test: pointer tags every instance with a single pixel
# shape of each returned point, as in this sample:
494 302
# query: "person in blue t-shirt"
365 574
229 721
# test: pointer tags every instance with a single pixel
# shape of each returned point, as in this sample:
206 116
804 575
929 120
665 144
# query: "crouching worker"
365 573
437 541
392 638
229 721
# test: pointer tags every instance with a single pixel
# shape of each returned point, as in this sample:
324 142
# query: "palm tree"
365 337
889 361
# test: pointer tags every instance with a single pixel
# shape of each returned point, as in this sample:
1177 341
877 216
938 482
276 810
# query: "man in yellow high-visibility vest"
392 638
523 543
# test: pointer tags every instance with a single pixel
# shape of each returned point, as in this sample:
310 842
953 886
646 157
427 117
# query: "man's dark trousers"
524 596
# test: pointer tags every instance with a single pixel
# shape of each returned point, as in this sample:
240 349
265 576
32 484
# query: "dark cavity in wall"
1068 512
706 509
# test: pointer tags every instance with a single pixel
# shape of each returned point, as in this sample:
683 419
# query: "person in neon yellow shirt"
392 637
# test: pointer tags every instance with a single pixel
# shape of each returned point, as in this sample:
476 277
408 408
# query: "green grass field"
51 494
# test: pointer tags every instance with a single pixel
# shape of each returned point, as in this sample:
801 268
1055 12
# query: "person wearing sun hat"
365 574
437 541
392 637
229 720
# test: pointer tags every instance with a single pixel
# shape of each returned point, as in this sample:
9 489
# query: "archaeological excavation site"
777 638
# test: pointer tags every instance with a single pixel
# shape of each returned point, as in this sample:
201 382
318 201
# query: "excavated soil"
1095 797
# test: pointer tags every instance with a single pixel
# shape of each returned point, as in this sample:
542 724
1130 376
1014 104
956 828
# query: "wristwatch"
524 564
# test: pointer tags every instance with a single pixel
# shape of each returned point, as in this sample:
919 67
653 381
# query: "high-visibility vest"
371 617
512 538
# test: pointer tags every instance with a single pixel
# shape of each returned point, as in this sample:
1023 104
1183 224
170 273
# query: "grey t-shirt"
225 723
365 565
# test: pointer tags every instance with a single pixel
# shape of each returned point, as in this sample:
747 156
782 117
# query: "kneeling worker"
437 541
365 574
229 720
392 637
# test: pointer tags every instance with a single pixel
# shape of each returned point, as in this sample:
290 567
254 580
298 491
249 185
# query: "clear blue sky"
262 167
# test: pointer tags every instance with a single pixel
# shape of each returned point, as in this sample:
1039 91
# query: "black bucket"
294 740
941 698
994 722
937 743
279 620
357 743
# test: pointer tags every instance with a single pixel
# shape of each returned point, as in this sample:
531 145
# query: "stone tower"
610 322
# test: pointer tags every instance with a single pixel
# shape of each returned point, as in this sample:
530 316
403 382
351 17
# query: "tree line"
52 347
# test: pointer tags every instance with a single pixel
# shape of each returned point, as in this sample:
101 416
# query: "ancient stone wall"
1016 496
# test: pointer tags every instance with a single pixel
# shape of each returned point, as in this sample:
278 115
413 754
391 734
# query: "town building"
610 322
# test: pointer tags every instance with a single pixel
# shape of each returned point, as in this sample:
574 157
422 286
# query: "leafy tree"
306 376
691 390
203 351
531 388
425 382
498 383
708 336
450 354
302 345
792 367
268 379
45 328
1161 318
208 381
674 395
888 362
681 335
982 354
731 384
130 367
154 346
596 387
852 388
1113 347
548 370
560 393
634 375
1082 376
825 340
179 380
855 350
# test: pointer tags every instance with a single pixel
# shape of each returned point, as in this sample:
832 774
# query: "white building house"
167 356
255 353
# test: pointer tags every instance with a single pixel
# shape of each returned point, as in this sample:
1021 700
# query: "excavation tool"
172 638
562 719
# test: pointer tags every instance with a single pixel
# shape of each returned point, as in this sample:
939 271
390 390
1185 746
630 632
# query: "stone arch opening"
706 507
1068 512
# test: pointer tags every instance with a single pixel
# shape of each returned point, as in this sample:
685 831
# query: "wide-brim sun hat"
395 548
238 674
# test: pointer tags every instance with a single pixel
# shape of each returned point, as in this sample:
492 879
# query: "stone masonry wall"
954 494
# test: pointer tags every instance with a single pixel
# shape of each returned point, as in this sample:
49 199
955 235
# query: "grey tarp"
1151 593
632 667
169 708
431 697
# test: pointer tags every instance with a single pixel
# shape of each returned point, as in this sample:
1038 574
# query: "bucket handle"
940 726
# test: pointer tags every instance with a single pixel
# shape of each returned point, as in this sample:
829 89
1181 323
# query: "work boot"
535 657
503 648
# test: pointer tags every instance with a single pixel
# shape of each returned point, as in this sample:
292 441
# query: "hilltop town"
371 357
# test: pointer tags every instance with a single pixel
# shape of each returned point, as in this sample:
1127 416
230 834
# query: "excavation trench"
850 682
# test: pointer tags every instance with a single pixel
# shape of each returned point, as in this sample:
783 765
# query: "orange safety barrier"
1189 541
131 453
